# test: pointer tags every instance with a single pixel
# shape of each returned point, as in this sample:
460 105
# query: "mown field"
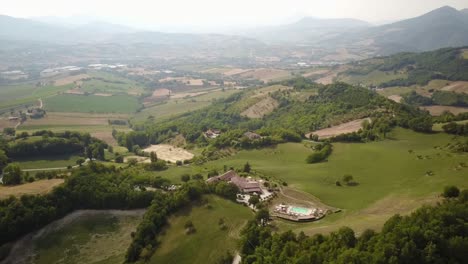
37 187
92 104
386 172
89 237
58 161
209 242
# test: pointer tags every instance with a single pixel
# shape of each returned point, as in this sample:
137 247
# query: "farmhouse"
212 133
244 184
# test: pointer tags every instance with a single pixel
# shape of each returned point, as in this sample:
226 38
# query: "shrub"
451 192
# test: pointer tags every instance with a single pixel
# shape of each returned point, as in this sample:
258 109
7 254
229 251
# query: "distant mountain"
443 27
305 31
24 29
440 28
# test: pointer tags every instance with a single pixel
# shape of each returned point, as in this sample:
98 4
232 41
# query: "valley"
318 140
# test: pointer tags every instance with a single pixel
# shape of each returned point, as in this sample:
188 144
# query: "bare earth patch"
169 153
437 110
37 187
262 108
184 95
161 92
348 127
396 98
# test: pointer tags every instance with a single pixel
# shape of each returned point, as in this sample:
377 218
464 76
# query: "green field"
92 104
174 107
26 94
209 242
96 238
104 82
438 126
58 161
385 172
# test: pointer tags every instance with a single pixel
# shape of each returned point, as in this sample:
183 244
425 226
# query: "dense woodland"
430 235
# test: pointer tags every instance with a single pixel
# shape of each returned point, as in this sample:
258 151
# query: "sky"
205 15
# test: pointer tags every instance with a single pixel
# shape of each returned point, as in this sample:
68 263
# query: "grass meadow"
209 242
386 172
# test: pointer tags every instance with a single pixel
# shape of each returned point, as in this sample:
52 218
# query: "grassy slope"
209 242
87 104
100 238
384 170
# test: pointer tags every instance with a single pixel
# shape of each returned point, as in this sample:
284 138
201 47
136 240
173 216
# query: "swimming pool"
300 210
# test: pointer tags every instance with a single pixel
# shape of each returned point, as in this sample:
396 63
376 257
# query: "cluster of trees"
164 204
456 129
52 143
91 187
447 116
430 235
321 153
437 98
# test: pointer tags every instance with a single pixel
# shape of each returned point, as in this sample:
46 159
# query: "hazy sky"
211 14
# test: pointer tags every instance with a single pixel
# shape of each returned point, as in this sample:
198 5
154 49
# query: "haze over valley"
221 132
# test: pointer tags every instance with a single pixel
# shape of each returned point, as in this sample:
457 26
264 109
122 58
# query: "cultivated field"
169 153
383 170
373 78
92 104
86 236
70 79
209 242
457 87
437 110
266 75
395 98
37 187
348 127
261 108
